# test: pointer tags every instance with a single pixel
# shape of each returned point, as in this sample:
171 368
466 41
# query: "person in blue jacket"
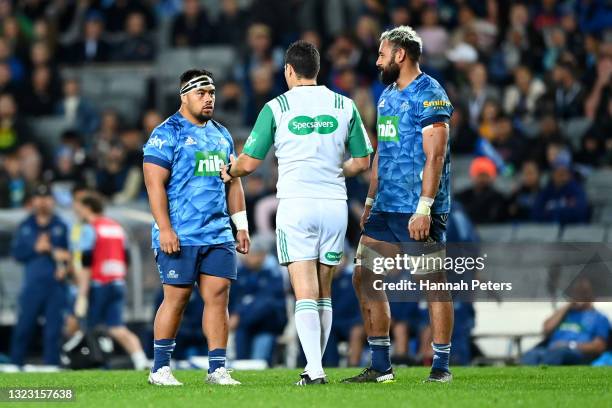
41 244
563 200
257 307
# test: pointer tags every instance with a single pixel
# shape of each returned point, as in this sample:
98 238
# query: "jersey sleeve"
435 107
358 141
262 136
159 149
87 240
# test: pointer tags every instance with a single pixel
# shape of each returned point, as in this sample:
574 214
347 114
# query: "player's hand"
43 243
244 241
418 227
80 306
365 216
168 241
224 172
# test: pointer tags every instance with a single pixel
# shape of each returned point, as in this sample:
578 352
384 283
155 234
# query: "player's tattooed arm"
156 178
237 208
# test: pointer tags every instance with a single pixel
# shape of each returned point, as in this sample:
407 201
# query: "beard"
389 74
201 117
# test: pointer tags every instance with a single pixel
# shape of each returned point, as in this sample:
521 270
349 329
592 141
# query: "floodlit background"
83 83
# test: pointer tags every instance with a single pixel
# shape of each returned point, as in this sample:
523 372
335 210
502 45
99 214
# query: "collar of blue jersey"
197 82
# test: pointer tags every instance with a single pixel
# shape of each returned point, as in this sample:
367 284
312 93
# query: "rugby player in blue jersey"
409 195
192 237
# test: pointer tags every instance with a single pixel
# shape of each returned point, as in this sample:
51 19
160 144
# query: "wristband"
369 202
240 220
424 206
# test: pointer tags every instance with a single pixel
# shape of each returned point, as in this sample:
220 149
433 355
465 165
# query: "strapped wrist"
424 206
240 220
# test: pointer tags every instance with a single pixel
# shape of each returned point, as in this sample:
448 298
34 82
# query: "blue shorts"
393 227
106 302
185 267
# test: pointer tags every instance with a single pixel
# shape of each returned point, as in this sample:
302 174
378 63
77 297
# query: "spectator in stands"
478 92
120 11
231 24
150 120
435 38
100 144
463 137
522 199
258 313
508 142
563 200
262 80
482 202
13 132
520 100
14 63
408 320
567 95
41 244
78 112
92 47
118 180
137 46
41 96
7 85
591 150
12 184
488 118
575 334
192 27
347 325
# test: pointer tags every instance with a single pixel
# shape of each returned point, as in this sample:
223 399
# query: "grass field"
472 387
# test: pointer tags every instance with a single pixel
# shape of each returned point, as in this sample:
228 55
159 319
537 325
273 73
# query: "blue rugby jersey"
196 195
401 117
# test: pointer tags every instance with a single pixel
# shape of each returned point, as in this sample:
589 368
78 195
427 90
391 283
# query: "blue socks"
216 359
162 350
441 356
380 353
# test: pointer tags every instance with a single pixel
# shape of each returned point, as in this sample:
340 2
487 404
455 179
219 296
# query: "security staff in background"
41 244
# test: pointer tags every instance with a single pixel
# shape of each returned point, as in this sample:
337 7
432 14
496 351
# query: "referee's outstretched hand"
224 173
168 241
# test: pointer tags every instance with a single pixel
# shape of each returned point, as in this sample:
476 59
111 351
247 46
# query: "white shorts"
308 228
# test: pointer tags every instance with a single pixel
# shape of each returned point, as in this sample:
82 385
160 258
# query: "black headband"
195 83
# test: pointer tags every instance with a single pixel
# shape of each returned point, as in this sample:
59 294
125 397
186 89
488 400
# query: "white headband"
195 83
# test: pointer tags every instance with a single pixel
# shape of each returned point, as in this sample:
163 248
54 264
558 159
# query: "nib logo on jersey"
388 128
209 163
305 125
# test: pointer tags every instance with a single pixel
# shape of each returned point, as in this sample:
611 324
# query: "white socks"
308 325
140 360
325 316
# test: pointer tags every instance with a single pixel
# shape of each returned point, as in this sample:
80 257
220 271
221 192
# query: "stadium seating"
534 232
584 233
496 233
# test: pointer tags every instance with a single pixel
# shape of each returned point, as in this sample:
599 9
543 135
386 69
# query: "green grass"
582 387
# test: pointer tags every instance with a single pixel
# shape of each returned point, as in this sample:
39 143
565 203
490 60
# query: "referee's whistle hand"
168 241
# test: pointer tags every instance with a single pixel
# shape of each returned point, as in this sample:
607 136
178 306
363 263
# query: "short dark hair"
194 73
304 58
94 203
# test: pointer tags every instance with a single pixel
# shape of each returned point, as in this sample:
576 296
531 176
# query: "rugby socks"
380 346
216 359
325 315
308 325
162 350
441 356
139 359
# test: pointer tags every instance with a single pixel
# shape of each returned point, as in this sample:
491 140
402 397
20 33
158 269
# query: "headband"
195 83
